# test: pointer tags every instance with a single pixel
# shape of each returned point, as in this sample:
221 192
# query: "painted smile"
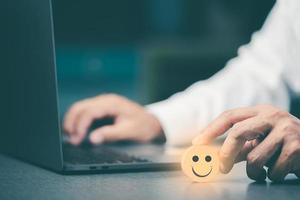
199 175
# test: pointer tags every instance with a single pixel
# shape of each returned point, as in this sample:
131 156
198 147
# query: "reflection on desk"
20 180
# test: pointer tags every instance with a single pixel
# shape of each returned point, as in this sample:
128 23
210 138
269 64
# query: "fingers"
256 173
81 115
277 151
109 133
261 155
287 162
131 121
71 115
223 123
282 167
83 122
238 135
247 148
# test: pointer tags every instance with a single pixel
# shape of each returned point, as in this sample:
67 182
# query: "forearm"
256 76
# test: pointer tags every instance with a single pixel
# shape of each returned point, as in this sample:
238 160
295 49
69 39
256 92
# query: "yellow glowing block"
201 163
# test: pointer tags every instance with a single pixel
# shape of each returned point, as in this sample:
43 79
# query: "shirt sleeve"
254 77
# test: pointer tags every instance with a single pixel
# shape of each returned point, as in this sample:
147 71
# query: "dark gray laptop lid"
29 111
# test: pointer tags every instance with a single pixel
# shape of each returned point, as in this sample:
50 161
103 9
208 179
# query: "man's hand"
263 135
131 121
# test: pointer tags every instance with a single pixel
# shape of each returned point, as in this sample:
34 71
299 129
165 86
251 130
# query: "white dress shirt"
266 71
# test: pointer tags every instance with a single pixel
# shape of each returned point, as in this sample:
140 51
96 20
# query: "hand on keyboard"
131 121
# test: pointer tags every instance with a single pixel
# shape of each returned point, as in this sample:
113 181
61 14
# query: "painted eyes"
196 158
207 158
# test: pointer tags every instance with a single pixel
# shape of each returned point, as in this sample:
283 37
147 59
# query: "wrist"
156 129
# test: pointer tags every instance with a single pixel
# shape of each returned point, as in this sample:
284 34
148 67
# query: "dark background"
147 49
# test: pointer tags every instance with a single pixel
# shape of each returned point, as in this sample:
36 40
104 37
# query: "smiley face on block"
200 163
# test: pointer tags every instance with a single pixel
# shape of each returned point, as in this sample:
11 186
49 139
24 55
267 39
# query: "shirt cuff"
176 122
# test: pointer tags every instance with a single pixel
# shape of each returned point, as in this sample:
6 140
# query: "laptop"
30 124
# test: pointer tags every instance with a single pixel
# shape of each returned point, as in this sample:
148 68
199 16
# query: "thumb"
108 133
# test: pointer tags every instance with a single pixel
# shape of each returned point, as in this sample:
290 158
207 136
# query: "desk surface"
19 180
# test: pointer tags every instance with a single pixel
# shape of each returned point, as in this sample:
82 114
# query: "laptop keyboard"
88 154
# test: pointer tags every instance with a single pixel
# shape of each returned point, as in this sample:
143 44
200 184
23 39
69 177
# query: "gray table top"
19 180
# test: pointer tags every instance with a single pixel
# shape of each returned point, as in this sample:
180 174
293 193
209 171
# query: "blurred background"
147 49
